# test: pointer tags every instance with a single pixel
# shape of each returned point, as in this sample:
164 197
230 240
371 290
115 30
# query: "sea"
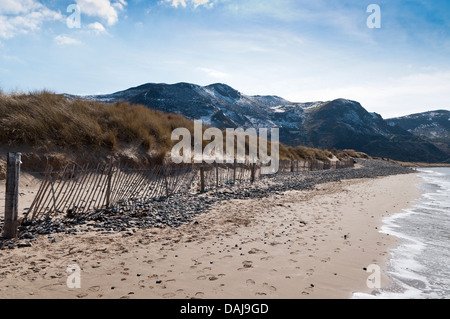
419 267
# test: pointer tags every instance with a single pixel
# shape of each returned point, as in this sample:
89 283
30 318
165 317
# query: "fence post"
12 195
202 179
53 193
217 174
165 178
234 171
252 178
108 185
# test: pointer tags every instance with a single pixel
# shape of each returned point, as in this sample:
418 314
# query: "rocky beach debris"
127 217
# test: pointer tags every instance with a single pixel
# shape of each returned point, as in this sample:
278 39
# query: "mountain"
341 124
217 104
433 126
346 124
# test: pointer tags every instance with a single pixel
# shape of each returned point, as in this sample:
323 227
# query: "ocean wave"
419 267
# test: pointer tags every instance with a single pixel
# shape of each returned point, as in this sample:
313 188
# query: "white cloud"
195 3
97 28
15 7
63 40
24 16
214 73
103 9
202 3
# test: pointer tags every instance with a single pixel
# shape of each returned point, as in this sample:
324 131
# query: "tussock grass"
342 154
44 119
306 153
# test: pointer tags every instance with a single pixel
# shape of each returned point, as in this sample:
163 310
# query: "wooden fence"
79 189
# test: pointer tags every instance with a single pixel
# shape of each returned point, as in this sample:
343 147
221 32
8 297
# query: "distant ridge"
433 126
341 124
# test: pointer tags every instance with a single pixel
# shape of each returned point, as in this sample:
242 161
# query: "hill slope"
433 126
341 124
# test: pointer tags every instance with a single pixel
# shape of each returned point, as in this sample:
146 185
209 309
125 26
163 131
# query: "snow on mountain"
340 123
434 125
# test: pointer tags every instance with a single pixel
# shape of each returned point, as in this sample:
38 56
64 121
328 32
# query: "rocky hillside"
341 124
433 126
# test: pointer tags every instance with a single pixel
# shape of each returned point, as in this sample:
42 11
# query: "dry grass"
307 153
342 154
43 119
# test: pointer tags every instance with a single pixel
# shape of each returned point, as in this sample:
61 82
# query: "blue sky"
300 50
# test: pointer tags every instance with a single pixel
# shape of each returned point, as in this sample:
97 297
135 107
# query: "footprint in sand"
250 282
266 258
271 288
169 295
256 251
307 291
199 294
201 278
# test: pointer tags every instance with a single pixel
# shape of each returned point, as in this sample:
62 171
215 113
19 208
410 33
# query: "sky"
394 59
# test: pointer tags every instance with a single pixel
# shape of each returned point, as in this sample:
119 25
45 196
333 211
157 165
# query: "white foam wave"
408 267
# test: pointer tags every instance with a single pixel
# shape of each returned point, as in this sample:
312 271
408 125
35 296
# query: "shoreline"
290 245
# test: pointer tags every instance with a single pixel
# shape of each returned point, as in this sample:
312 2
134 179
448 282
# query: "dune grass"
44 119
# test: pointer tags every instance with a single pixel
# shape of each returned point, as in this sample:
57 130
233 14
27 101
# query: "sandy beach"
296 244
